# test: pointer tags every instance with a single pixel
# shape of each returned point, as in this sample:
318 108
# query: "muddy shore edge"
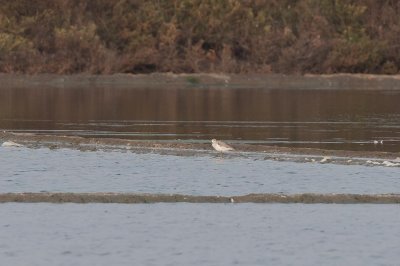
178 148
204 80
128 198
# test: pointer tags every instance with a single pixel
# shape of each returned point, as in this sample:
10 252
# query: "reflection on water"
334 119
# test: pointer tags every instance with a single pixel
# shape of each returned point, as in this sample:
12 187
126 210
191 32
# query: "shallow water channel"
64 170
349 119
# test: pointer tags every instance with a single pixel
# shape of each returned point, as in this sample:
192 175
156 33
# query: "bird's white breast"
219 147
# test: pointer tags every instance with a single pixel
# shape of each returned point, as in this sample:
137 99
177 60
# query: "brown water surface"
329 118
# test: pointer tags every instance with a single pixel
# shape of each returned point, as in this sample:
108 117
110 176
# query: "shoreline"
132 198
205 80
311 155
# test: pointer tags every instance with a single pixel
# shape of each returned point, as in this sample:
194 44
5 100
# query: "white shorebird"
221 146
325 159
11 144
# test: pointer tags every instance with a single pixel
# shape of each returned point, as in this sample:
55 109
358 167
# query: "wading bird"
221 146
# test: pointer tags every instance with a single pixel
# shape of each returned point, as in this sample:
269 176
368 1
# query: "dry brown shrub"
141 36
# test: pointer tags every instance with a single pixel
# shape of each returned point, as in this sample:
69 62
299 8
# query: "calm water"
333 119
35 170
199 234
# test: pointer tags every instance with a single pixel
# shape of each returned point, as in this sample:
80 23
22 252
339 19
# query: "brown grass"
142 36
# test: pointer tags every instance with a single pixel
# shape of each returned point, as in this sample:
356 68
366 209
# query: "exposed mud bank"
175 198
165 80
179 148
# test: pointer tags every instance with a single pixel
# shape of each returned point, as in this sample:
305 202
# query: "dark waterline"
330 119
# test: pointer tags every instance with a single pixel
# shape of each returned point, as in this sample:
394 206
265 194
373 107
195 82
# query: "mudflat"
307 198
192 149
163 80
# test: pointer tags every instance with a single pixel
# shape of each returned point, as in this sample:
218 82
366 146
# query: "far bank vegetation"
233 36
